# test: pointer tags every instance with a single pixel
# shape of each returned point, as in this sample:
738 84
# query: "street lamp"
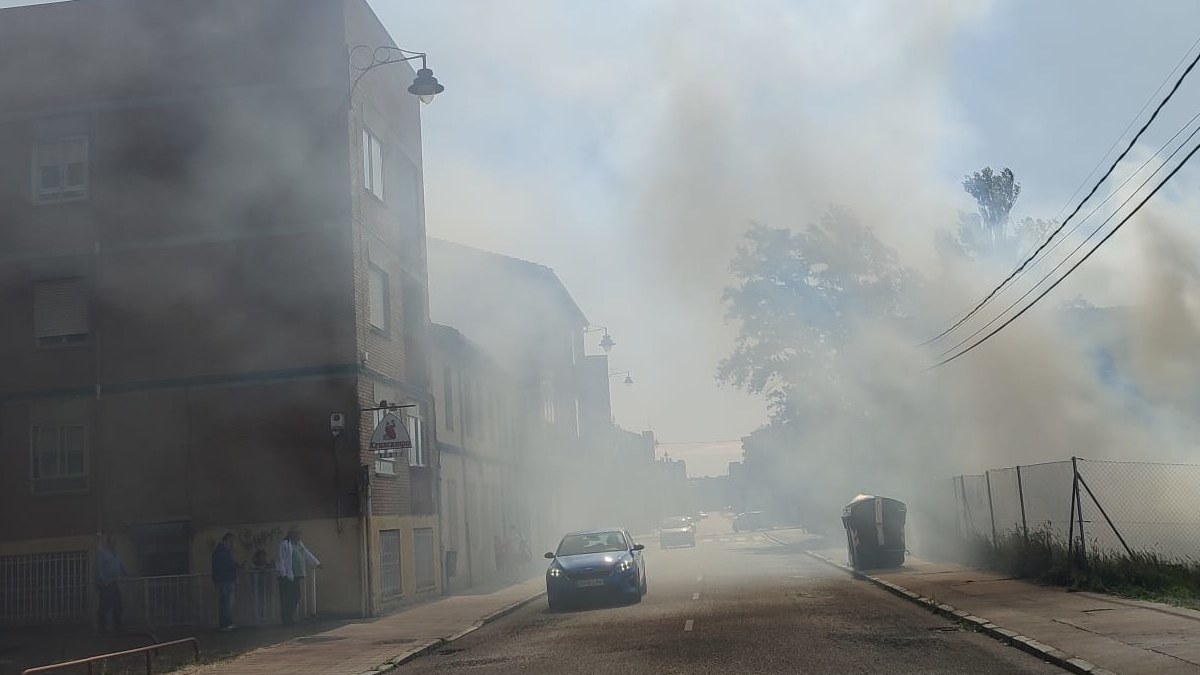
606 341
628 381
424 86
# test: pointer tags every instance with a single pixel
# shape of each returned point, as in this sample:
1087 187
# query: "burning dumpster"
875 531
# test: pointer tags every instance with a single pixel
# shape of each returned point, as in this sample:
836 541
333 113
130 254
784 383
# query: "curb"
1009 637
433 645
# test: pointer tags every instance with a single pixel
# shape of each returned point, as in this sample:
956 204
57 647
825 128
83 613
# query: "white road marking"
695 596
687 626
700 578
741 539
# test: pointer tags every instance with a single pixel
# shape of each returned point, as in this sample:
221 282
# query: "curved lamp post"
606 342
628 381
424 86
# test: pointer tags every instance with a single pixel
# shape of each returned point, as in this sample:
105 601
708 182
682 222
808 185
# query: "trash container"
875 531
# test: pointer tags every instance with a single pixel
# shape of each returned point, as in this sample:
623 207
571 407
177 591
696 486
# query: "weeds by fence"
1112 507
1125 527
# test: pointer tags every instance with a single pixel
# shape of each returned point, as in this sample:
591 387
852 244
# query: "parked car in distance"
750 521
595 564
677 531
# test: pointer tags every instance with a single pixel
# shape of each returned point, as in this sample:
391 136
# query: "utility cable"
1089 215
1108 236
1024 264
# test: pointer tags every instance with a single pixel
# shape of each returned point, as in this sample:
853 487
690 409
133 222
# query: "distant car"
595 564
677 531
750 521
703 515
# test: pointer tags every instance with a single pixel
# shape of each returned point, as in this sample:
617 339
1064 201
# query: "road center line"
695 596
687 626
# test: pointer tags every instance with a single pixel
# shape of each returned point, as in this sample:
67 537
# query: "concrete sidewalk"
1082 632
379 645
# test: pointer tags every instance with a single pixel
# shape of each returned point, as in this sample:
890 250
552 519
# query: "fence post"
1079 510
987 477
1071 520
1104 513
1021 498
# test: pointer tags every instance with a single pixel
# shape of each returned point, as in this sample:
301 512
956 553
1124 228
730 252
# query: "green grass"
1043 558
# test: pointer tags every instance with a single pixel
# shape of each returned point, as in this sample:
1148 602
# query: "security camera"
337 424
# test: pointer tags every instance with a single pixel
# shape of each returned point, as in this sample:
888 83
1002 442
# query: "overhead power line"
1025 263
1117 140
1052 286
1094 232
732 440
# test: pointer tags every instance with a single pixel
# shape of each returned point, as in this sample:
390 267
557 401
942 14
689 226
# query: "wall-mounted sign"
390 434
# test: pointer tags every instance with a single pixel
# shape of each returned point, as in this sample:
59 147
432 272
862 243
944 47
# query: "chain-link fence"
1100 506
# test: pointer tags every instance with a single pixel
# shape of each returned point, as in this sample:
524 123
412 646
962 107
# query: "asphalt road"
734 604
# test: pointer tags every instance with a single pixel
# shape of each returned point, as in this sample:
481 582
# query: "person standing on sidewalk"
302 557
224 576
109 570
293 556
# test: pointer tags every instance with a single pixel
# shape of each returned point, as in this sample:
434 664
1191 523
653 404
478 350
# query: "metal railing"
150 651
41 588
191 599
47 588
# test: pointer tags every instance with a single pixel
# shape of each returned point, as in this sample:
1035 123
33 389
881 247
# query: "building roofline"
545 271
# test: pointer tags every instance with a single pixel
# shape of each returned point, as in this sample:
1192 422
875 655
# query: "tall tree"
995 193
799 298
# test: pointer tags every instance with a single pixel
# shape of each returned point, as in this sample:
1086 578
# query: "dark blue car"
595 564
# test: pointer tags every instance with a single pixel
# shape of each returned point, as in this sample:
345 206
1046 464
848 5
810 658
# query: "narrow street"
734 604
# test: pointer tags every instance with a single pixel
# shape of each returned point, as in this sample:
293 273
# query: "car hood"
590 561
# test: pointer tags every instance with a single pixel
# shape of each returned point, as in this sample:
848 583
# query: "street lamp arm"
425 86
382 56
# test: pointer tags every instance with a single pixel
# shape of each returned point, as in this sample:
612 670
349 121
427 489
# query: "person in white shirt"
292 565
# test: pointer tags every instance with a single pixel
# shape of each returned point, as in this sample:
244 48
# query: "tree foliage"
995 193
799 298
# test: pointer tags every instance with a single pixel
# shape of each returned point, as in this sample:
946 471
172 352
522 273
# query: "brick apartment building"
205 250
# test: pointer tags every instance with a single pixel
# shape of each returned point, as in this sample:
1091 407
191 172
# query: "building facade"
482 440
521 316
206 249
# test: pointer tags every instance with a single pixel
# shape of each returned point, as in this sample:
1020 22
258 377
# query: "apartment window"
448 396
418 455
548 411
60 169
423 555
468 412
451 511
406 196
372 163
59 457
377 291
389 562
577 421
60 312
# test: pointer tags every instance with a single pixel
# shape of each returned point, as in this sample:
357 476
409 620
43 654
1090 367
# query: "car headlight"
624 565
555 571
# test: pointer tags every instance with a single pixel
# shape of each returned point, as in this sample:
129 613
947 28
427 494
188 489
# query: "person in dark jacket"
224 576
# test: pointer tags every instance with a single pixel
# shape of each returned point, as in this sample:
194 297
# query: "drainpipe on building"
97 419
364 521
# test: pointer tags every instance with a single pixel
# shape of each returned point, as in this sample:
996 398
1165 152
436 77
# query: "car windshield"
594 542
674 522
